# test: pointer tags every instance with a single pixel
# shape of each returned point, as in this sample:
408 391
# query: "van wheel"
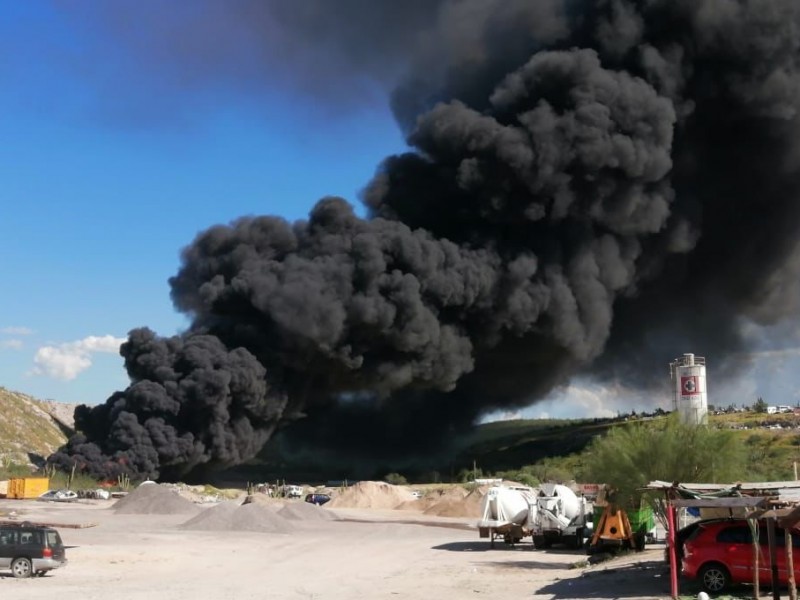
714 577
21 567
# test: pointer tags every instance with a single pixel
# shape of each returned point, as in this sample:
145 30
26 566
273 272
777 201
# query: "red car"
720 553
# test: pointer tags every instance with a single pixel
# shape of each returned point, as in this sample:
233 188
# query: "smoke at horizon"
594 188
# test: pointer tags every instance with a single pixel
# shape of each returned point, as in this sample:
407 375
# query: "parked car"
720 553
318 499
59 496
294 491
681 536
29 549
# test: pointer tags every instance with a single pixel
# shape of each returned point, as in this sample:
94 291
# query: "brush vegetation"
627 451
28 432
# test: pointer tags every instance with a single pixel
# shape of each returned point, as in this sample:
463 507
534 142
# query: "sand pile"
371 494
304 511
233 516
458 505
433 497
154 499
264 500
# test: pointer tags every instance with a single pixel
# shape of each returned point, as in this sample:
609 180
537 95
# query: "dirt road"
375 555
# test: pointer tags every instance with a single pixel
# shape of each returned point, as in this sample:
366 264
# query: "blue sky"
112 160
98 199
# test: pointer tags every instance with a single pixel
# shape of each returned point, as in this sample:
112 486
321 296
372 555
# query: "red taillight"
47 553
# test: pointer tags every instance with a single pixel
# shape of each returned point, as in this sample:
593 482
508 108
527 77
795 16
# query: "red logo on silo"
689 386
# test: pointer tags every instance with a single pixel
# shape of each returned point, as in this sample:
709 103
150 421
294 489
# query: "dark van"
29 549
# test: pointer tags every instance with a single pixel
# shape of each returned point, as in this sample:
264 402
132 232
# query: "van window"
31 537
8 537
53 539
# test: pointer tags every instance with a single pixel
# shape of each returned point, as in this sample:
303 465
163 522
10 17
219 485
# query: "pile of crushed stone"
303 511
371 494
233 516
154 499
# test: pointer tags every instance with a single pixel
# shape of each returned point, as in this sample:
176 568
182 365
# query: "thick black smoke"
595 188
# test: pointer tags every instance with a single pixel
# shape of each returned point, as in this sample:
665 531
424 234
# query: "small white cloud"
16 330
11 344
67 361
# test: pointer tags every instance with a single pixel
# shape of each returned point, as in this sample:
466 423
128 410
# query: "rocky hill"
31 429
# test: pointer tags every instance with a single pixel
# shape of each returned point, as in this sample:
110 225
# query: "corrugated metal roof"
775 487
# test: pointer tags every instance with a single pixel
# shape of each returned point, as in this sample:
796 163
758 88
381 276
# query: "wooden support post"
790 565
673 551
773 558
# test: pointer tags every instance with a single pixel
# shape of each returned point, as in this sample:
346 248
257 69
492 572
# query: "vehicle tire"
538 541
639 539
579 539
21 568
714 578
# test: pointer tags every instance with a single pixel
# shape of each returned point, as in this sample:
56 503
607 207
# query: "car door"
764 563
780 552
31 542
735 542
8 544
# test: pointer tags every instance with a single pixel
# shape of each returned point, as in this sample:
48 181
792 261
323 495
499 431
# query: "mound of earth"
232 516
154 499
303 511
454 506
372 494
263 499
433 497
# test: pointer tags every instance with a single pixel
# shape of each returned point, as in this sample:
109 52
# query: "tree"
629 456
395 479
760 406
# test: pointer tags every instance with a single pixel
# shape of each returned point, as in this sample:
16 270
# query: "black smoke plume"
594 188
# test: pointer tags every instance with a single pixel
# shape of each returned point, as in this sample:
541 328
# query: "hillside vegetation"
530 450
30 429
558 450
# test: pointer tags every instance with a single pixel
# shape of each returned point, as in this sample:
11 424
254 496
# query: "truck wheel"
579 539
538 541
21 567
639 540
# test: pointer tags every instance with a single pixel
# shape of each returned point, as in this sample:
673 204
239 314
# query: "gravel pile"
232 516
154 499
297 511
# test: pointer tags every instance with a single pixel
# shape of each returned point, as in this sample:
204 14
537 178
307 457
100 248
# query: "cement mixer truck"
508 513
560 517
552 514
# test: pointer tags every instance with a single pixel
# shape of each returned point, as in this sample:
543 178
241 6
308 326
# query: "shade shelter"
774 502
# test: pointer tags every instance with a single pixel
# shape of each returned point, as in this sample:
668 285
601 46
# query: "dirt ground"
369 554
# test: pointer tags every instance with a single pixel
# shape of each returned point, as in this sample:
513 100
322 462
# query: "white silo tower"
688 374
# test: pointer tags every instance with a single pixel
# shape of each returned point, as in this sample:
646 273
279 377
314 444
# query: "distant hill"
31 429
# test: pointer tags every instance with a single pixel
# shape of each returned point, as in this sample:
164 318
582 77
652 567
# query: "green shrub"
395 479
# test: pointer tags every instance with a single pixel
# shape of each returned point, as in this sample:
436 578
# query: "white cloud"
66 361
11 344
503 415
16 330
